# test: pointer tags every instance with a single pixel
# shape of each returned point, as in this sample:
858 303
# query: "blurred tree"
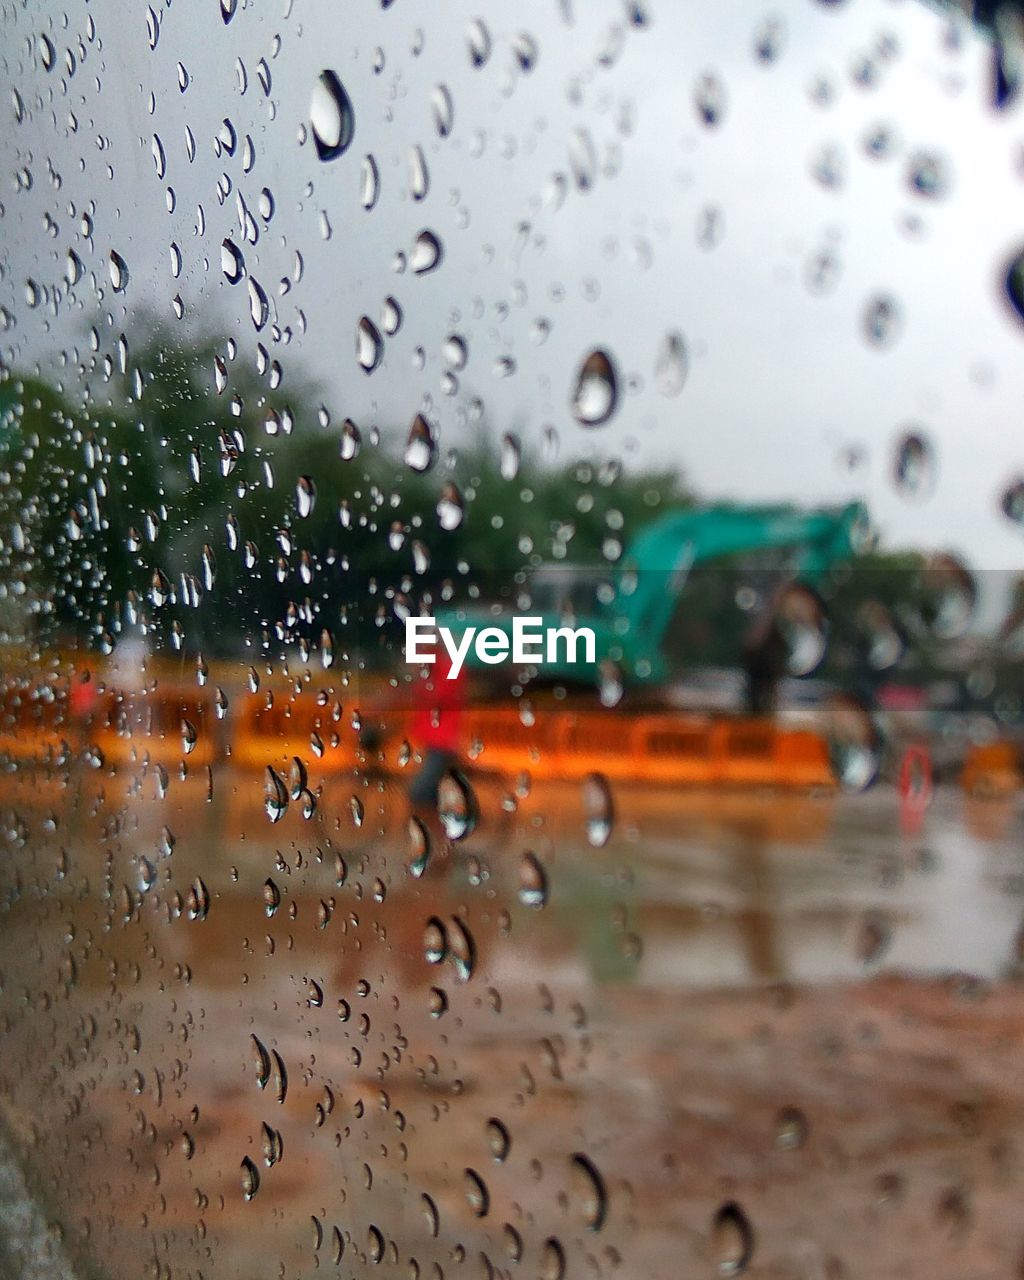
196 497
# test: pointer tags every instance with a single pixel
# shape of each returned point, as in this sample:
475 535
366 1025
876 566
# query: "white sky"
781 381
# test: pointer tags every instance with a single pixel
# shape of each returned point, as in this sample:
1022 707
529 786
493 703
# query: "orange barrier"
269 730
165 726
36 722
677 750
175 722
992 770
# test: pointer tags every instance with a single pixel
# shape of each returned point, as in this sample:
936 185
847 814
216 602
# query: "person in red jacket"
436 728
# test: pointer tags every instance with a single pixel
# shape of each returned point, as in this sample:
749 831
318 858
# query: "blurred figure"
764 660
82 698
436 728
787 638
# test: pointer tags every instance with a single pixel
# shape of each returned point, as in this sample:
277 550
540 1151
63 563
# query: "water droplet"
455 351
882 321
271 897
369 184
598 809
419 847
442 109
596 395
533 881
350 440
709 99
611 685
275 795
769 37
498 1140
419 178
511 455
231 261
435 941
790 1129
803 622
478 42
953 595
118 272
450 507
589 1192
928 174
854 745
477 1195
297 779
426 253
552 1260
391 316
582 159
732 1240
305 496
159 588
421 447
147 875
915 467
250 1178
259 305
456 805
462 949
526 51
672 365
198 900
331 116
1012 502
1014 283
430 1213
828 166
272 1144
369 344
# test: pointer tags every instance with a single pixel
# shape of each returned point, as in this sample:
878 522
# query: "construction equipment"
630 606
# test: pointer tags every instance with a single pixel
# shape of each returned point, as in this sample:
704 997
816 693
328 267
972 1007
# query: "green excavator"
630 606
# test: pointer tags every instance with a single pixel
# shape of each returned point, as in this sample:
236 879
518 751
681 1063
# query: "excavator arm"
664 553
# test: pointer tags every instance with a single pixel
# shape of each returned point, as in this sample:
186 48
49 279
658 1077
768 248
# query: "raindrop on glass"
915 466
331 116
596 394
231 261
426 253
369 345
118 272
732 1240
672 365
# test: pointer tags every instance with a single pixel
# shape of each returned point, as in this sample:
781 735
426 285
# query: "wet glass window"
511 635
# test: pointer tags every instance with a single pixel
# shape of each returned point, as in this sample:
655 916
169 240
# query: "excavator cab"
569 592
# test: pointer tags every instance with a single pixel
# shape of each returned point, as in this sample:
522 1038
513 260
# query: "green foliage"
139 481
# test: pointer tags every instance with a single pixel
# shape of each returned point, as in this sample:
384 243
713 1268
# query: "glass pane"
511 608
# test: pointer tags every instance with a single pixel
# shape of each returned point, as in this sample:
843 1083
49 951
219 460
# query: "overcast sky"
782 384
